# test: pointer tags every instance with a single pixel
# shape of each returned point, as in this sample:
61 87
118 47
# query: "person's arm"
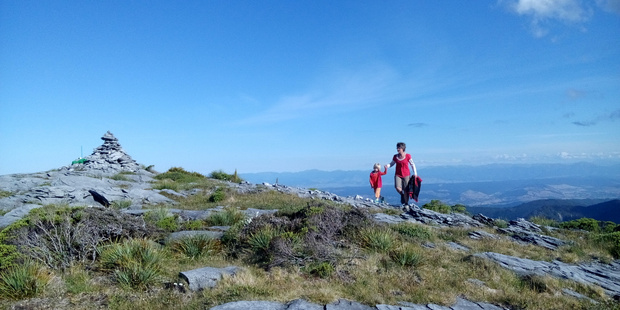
384 171
390 165
415 172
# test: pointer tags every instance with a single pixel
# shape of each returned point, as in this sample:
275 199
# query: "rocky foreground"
74 185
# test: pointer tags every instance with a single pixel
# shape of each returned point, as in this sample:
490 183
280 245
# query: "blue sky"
296 85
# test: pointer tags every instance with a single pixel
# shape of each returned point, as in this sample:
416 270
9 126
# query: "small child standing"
375 181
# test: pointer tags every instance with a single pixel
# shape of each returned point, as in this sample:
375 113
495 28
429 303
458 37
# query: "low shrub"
120 177
196 246
438 206
378 238
162 219
179 175
135 263
406 256
320 269
611 242
25 280
166 184
58 236
221 175
193 225
500 223
315 233
261 240
227 217
588 224
121 204
77 281
414 231
543 221
218 195
4 194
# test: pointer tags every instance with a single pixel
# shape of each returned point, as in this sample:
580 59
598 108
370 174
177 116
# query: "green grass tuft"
26 280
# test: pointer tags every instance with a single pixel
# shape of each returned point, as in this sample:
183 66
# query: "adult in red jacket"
402 161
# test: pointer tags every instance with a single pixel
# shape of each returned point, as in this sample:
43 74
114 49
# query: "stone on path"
207 277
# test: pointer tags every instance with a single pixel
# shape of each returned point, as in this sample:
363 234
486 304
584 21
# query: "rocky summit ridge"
73 185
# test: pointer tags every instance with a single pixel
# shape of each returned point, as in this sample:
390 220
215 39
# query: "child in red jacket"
375 181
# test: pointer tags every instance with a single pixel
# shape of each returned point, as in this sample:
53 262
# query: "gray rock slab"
390 307
410 305
388 219
481 234
206 277
488 306
436 307
193 214
457 246
528 237
301 304
464 304
253 305
251 212
343 304
16 214
427 216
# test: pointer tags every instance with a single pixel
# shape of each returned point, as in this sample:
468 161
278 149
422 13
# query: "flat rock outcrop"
607 276
526 232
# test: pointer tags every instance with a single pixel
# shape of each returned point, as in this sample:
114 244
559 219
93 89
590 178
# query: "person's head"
401 145
377 167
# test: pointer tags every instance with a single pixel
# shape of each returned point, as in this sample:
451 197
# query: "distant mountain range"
560 210
443 174
497 185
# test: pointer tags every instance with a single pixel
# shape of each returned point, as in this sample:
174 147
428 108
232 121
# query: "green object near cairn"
79 161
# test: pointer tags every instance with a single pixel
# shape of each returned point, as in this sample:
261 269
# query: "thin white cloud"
543 13
345 91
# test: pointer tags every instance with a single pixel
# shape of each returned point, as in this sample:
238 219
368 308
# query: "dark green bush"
180 175
320 269
221 175
218 195
438 206
611 241
588 224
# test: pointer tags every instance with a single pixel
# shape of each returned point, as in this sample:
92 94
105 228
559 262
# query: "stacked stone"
110 157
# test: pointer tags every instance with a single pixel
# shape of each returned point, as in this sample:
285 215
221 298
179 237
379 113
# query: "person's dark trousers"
404 198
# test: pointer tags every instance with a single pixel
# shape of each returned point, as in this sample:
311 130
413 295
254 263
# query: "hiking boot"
405 208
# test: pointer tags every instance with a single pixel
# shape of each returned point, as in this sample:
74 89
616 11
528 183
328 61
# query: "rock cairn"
109 157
